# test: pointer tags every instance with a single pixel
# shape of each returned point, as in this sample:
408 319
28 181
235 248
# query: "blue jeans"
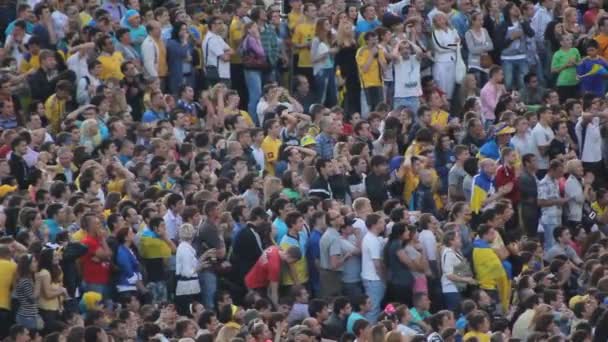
452 300
375 290
514 70
548 235
208 282
31 323
412 103
253 80
326 89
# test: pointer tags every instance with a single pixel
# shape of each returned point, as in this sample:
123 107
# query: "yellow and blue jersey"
483 186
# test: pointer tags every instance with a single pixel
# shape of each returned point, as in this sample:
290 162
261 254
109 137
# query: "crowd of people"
304 171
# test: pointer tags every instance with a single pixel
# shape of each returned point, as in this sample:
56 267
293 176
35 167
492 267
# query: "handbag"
211 71
485 60
251 60
461 69
462 269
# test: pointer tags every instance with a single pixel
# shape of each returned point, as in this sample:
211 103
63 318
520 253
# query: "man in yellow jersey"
236 32
295 16
110 59
303 34
371 61
8 269
271 145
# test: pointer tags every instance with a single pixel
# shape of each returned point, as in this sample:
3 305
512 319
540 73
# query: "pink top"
490 93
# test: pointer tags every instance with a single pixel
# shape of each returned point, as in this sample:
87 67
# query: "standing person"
296 236
489 271
400 266
252 47
541 19
550 201
216 54
576 190
265 275
408 88
95 264
8 269
154 54
376 182
528 185
370 62
452 283
445 43
210 238
303 34
479 45
457 173
490 95
179 59
27 291
331 256
564 64
52 293
589 137
323 51
373 271
346 62
542 134
187 267
511 37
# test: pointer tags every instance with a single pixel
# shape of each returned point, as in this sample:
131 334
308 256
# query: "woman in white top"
450 258
322 53
445 43
478 43
187 267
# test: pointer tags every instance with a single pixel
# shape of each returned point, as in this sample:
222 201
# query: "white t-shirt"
541 136
449 259
429 244
407 77
371 249
15 53
523 145
60 23
592 149
217 46
359 225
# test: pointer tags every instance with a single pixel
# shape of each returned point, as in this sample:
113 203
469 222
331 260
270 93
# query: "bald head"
153 28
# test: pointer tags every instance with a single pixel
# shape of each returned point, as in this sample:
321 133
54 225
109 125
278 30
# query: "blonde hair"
345 36
186 232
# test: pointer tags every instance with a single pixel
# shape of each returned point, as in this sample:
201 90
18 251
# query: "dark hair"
292 218
316 306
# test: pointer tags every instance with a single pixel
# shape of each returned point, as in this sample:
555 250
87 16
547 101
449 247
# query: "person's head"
371 39
294 221
421 301
442 320
153 28
562 235
379 165
486 232
565 41
375 223
488 166
318 309
310 10
479 321
94 333
19 333
291 255
496 74
592 46
556 169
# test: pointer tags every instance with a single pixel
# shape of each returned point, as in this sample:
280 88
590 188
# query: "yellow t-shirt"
372 77
244 114
600 211
270 146
110 66
440 118
79 235
8 269
235 36
32 63
481 337
304 33
55 109
49 304
292 19
300 266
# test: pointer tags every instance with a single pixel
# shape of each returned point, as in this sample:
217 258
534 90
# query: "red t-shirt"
266 270
505 175
94 272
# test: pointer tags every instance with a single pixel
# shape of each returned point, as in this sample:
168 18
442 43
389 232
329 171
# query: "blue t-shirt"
594 84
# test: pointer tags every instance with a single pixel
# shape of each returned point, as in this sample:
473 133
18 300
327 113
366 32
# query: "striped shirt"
24 291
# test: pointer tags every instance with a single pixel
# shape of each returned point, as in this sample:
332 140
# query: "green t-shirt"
566 77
